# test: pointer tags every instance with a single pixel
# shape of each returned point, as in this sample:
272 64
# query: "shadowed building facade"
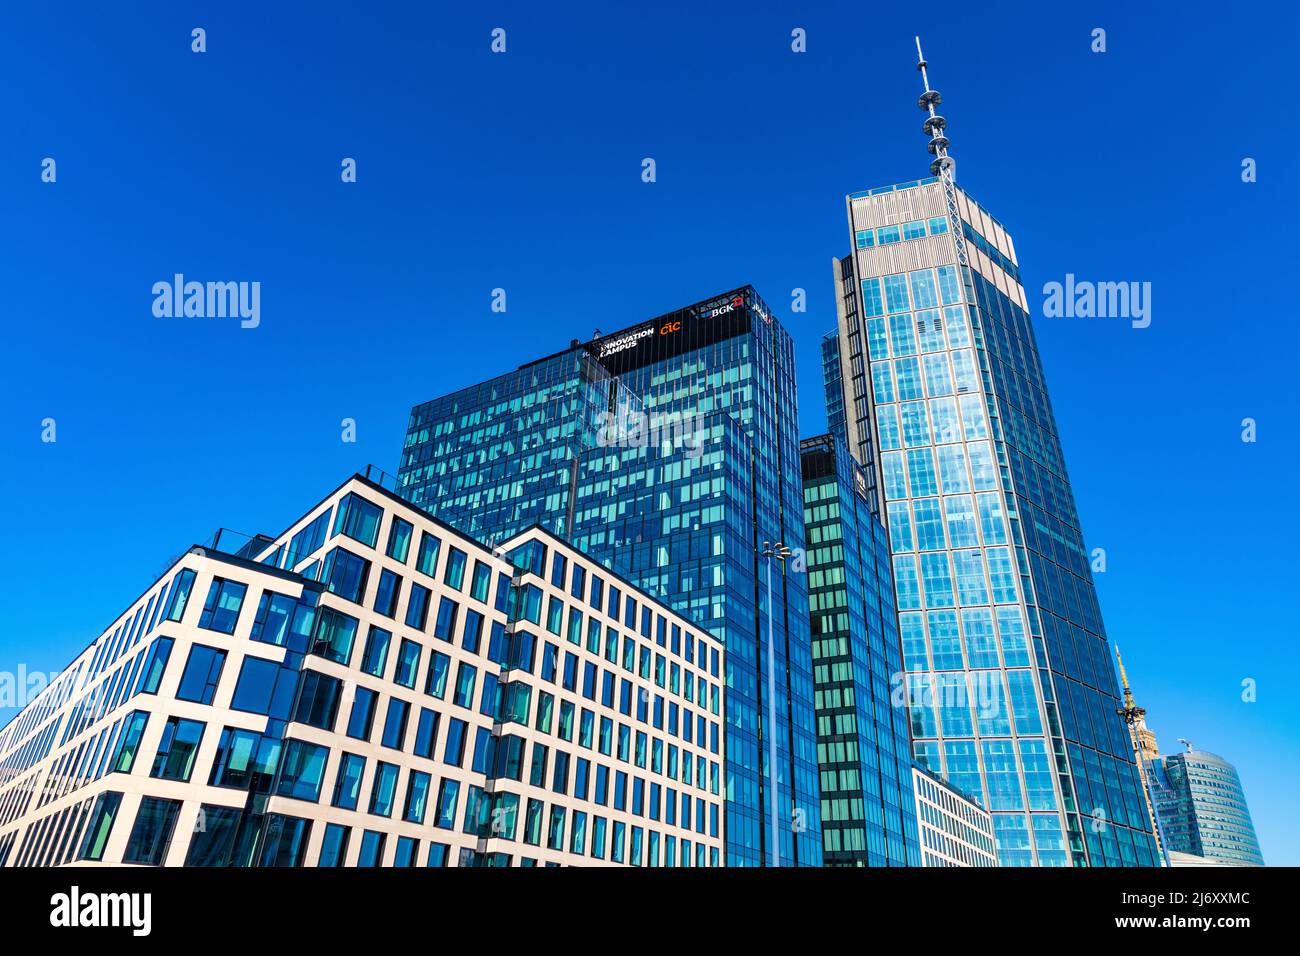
669 452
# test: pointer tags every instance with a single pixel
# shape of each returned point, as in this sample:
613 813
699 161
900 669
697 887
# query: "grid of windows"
678 515
601 744
1010 688
863 749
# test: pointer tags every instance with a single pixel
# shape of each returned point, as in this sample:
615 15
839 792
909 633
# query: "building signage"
731 306
625 341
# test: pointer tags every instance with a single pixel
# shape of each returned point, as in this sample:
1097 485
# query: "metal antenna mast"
944 166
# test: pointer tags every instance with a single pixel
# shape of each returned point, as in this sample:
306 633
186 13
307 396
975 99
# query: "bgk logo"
737 303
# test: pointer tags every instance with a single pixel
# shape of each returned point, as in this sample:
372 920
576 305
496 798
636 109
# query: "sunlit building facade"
374 688
1011 691
1203 811
954 829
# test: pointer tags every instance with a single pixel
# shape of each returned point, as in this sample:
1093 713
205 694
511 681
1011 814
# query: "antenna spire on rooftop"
1123 676
944 165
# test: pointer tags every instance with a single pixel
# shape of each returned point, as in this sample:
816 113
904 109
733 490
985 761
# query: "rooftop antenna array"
944 167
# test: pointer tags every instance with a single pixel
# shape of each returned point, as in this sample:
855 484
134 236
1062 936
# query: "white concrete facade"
955 830
628 703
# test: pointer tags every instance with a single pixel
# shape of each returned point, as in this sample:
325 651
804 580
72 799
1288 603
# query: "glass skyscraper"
669 452
863 750
1203 809
1009 680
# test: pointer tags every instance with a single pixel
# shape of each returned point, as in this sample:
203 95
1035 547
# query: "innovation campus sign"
670 325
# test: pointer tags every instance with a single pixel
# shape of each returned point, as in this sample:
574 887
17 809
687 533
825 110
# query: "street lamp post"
780 552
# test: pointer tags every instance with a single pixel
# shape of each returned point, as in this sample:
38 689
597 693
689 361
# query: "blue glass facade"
681 512
834 385
863 748
1202 808
1010 688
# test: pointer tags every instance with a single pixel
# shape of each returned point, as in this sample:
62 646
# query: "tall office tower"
1012 693
1203 810
373 688
669 452
863 751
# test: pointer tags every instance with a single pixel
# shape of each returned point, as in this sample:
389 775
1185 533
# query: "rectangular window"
448 797
303 770
382 789
180 595
221 609
395 723
387 593
202 671
453 753
399 539
453 574
101 825
124 757
345 574
152 833
435 683
308 540
363 713
466 674
155 665
264 687
245 760
334 635
426 733
482 582
408 663
473 631
375 656
404 853
417 797
177 749
274 614
372 849
358 519
334 847
426 561
417 608
347 781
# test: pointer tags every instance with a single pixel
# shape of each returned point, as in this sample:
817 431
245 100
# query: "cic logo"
669 328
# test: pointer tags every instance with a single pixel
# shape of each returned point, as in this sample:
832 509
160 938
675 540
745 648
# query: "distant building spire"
944 165
1144 739
1145 749
1123 676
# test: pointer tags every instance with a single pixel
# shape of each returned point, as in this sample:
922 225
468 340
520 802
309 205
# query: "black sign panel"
673 334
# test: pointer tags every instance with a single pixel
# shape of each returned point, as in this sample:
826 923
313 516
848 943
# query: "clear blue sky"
522 171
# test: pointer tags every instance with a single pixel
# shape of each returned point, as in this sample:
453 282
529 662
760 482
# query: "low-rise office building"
955 829
372 687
